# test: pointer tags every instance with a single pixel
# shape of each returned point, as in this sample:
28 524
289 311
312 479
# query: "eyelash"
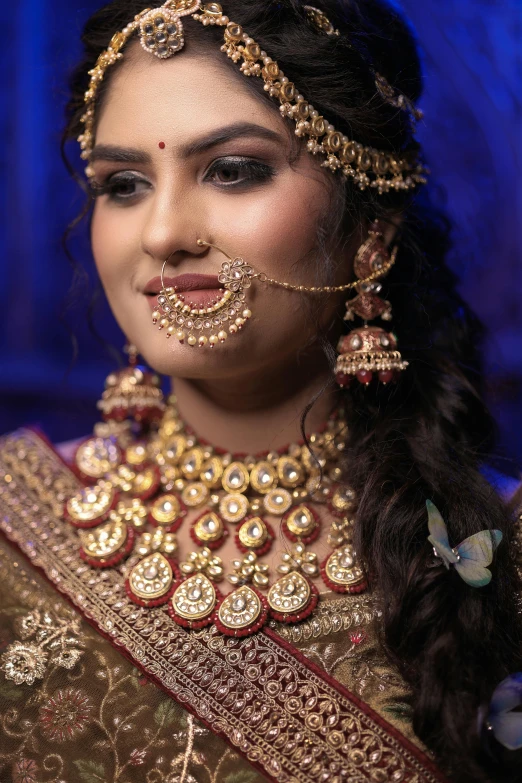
254 170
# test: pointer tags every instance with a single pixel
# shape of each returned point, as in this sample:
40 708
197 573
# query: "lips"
202 290
182 283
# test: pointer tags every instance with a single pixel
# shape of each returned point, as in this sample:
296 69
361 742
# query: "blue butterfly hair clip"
470 557
502 721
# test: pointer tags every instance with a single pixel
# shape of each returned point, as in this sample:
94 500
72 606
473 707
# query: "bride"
291 567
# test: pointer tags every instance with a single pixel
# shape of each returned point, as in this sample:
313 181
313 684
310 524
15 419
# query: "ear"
390 227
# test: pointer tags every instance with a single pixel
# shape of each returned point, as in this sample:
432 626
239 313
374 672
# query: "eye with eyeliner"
225 173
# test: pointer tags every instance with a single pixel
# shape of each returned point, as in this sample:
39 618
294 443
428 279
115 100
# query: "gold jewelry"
119 522
133 392
161 33
369 349
186 323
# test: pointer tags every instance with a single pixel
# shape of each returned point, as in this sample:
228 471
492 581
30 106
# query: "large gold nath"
161 33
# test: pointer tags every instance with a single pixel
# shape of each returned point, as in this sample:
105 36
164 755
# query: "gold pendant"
241 613
255 534
235 478
150 581
292 598
301 524
263 477
341 572
107 544
193 602
90 505
208 530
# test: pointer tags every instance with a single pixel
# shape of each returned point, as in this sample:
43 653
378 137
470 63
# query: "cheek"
114 239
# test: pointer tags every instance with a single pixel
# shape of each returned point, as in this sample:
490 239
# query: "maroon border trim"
369 711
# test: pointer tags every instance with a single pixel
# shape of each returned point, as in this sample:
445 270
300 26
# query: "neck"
254 414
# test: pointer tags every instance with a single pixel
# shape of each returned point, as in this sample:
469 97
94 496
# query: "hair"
424 437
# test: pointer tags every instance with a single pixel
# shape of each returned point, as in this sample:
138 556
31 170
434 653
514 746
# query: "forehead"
184 95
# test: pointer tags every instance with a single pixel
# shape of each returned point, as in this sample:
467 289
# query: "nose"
171 230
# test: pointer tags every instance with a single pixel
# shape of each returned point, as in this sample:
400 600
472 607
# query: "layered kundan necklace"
141 488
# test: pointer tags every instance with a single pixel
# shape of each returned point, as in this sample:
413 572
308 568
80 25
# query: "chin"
169 357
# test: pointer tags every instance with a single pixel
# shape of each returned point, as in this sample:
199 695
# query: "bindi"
161 145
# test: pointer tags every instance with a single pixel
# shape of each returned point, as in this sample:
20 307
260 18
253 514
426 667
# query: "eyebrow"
110 152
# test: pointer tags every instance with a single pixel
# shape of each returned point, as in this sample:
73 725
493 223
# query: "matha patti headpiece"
160 32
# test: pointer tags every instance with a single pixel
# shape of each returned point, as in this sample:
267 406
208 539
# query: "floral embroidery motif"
24 663
24 771
52 642
65 715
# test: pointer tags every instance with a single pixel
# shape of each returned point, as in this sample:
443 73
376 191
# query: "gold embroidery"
52 642
251 691
331 616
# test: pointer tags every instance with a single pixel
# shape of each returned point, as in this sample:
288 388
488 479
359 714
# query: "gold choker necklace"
140 489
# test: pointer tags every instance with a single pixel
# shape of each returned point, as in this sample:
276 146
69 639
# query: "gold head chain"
160 32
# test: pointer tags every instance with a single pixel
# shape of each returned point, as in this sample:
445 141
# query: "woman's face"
188 152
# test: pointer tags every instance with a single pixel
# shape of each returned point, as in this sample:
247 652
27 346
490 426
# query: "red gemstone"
343 379
364 376
385 376
357 637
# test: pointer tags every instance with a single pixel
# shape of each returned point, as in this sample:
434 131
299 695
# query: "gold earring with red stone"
369 351
132 393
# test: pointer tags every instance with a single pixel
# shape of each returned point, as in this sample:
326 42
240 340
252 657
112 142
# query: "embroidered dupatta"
137 698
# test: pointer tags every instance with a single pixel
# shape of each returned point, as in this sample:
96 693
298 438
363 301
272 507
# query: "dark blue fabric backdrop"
472 133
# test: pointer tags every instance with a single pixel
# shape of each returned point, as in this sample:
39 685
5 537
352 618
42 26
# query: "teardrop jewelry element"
292 598
194 601
235 478
90 506
209 530
263 477
255 534
241 613
167 512
152 581
106 545
341 572
301 524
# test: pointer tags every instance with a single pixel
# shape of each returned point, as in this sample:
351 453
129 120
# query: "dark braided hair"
425 437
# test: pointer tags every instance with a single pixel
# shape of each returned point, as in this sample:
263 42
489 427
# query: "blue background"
471 133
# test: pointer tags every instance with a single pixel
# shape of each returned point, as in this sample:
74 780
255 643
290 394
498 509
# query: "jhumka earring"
132 393
369 350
